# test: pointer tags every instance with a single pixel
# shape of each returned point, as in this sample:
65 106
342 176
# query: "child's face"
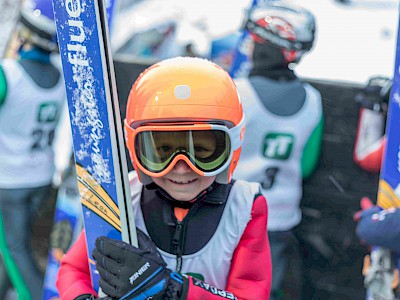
182 183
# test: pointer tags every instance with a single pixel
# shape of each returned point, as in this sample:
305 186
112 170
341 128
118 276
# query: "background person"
31 96
284 125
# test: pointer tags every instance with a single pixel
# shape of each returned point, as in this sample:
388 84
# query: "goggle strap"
236 133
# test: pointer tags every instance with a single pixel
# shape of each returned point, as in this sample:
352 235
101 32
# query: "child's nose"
181 167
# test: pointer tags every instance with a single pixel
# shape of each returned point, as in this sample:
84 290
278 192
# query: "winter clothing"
220 247
31 96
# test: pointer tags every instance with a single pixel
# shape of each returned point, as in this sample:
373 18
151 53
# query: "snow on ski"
380 275
67 216
95 122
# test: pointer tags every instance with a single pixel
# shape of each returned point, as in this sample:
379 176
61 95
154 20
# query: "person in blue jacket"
378 227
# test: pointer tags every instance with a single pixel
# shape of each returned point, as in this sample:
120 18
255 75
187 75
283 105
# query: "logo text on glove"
139 272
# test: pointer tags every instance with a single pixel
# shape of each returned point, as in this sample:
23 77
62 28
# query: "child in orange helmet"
201 235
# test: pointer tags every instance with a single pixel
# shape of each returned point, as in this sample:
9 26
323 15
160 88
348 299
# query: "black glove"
128 272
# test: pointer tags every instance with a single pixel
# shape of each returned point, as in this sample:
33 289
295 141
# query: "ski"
101 167
66 228
241 63
379 276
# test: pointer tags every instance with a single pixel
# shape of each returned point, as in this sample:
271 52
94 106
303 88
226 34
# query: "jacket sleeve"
73 277
250 276
380 228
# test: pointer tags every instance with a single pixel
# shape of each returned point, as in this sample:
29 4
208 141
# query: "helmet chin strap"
145 179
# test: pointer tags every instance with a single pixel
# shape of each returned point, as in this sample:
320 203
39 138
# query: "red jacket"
249 277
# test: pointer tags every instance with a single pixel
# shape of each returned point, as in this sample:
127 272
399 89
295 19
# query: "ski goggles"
206 148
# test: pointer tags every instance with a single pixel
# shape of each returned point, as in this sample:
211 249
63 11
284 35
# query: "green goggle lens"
207 150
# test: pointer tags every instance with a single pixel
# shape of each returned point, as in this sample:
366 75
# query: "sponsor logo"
139 272
48 112
278 146
214 290
84 87
381 216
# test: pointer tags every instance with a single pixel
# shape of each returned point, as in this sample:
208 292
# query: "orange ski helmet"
182 100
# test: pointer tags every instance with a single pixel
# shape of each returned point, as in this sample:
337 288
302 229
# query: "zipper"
176 244
178 239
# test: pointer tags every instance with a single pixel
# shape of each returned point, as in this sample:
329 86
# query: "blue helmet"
37 25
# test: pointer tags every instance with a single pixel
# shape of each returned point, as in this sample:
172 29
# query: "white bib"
213 261
272 152
28 119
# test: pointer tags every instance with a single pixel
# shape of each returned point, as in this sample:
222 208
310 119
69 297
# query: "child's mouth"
182 182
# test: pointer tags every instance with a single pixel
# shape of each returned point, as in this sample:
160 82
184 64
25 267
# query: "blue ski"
380 275
241 63
99 151
67 217
66 228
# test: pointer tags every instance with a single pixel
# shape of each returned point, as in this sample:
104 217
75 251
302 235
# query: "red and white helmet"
284 26
175 108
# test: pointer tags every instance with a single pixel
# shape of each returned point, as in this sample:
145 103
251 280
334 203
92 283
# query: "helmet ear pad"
145 179
225 176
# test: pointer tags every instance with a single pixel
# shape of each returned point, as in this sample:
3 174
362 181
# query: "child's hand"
129 272
367 208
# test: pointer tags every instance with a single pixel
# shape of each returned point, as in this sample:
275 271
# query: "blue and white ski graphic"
241 63
67 217
380 273
66 228
99 151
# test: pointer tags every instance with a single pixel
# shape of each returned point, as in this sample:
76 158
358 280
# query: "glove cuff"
177 287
